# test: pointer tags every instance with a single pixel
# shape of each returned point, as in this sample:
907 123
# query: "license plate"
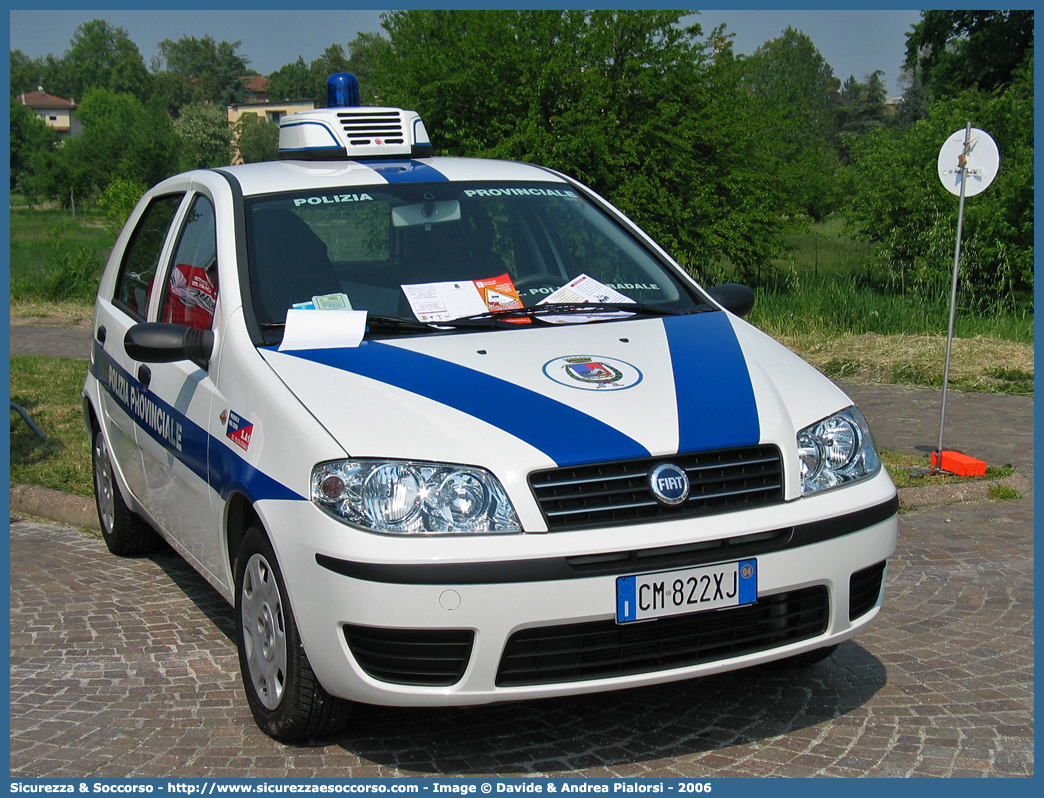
709 587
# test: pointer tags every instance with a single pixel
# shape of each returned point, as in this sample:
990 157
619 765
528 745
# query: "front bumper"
500 627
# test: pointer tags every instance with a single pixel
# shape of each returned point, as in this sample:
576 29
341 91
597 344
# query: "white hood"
522 399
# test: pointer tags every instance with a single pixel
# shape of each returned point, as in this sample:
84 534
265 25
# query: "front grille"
431 657
863 590
602 649
365 127
608 494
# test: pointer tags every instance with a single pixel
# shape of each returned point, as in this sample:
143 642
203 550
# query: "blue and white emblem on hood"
592 373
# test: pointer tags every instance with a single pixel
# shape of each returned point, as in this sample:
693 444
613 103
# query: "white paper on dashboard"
584 290
323 329
444 301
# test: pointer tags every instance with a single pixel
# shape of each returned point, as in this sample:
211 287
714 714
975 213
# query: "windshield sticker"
433 302
520 192
499 293
592 373
584 290
331 199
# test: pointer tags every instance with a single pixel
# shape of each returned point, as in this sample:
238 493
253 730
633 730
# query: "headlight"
402 497
836 451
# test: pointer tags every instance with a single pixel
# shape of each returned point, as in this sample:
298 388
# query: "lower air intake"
602 649
864 588
429 657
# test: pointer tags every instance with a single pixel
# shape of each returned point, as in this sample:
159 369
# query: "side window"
140 261
190 292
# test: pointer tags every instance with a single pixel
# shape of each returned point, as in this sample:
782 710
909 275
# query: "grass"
56 257
49 391
908 471
992 365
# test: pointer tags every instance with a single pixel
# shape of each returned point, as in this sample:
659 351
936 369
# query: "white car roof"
277 176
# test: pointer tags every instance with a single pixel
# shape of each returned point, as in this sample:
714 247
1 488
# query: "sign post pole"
976 157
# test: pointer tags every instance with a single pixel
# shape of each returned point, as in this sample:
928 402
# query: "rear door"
118 310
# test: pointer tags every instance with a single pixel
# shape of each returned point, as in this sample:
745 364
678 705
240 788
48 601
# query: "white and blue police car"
452 431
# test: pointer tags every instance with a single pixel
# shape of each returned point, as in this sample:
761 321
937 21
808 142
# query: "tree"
29 135
207 71
792 85
26 72
366 54
300 81
901 204
257 139
100 56
108 119
206 137
956 50
628 101
291 82
861 106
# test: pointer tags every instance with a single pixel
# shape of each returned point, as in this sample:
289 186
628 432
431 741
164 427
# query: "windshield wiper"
495 318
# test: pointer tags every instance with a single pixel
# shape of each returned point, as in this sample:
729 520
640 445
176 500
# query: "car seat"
291 263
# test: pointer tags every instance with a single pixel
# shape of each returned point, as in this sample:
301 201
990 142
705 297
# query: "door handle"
100 335
144 375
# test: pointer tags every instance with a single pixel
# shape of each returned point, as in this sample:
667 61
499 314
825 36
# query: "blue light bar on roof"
342 90
344 130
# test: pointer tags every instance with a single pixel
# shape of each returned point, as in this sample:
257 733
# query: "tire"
805 660
285 698
125 532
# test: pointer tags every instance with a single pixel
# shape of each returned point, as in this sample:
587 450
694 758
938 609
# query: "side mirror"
159 342
734 297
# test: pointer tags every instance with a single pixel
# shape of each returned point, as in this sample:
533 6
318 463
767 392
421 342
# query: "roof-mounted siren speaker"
344 130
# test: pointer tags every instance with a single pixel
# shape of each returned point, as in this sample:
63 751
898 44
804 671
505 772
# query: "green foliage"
953 51
291 82
900 204
49 390
67 274
206 137
793 88
627 101
99 56
202 70
301 81
257 139
118 200
861 106
29 135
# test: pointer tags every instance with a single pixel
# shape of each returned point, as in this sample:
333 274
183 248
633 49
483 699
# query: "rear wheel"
124 531
285 698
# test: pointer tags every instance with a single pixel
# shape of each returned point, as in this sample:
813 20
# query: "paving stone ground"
126 667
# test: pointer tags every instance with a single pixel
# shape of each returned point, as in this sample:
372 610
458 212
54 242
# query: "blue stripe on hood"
716 406
564 434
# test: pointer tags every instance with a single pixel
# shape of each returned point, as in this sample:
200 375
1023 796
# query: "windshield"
431 252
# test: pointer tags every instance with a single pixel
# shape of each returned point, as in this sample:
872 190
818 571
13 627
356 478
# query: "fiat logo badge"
669 483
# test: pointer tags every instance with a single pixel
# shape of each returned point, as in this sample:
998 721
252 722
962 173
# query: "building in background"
56 112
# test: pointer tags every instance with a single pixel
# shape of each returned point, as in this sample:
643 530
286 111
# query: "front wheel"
285 698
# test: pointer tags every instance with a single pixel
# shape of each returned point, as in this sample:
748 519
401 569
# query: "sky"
853 43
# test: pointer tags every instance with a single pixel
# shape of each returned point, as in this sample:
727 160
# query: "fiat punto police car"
453 431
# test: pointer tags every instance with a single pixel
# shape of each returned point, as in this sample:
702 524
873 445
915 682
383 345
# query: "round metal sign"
971 153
